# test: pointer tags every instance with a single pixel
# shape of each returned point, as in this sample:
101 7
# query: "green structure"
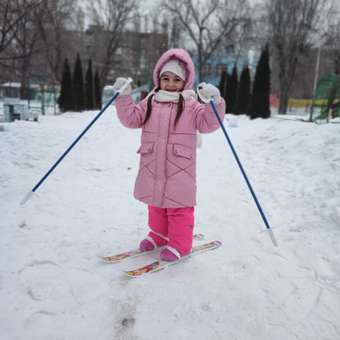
327 98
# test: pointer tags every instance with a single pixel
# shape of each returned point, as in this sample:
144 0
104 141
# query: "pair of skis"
158 264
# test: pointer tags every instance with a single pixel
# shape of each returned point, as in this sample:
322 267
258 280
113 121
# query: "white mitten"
207 92
119 83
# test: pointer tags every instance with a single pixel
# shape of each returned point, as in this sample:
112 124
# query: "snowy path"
53 287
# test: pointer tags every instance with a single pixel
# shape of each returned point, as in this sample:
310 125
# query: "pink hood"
181 55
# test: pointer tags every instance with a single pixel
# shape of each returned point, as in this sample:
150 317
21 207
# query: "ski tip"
106 259
217 243
111 258
135 273
199 237
149 268
130 273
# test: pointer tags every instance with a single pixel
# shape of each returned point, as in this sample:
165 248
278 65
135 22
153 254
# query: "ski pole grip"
128 82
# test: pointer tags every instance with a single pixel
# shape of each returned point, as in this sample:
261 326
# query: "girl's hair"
180 108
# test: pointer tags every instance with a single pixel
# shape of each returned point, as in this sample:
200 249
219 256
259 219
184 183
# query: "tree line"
244 97
33 33
78 93
292 27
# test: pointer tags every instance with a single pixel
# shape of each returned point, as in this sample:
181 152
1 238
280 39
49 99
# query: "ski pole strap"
271 234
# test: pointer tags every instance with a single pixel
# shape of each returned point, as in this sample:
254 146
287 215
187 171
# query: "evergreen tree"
97 91
232 85
89 91
78 85
261 89
243 95
65 99
223 84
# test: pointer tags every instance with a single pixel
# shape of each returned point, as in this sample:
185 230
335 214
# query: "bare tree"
18 39
12 12
51 24
112 16
26 41
208 23
333 41
9 17
14 16
293 24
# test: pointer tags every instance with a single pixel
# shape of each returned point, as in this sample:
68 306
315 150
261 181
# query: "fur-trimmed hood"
184 57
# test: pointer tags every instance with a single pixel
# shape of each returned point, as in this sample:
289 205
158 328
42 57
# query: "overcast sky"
149 4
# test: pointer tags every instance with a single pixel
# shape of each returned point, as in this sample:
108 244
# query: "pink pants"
172 226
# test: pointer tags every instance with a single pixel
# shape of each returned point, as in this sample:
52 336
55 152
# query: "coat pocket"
147 156
180 157
182 151
146 148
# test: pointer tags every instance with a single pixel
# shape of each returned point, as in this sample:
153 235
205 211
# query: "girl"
169 118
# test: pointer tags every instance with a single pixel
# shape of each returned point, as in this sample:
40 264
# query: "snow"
52 286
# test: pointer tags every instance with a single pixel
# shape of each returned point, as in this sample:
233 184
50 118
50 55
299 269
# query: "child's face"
171 82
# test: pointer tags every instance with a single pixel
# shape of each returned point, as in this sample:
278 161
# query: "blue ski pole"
269 229
30 193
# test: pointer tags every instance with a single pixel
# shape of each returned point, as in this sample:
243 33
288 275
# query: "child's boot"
153 241
158 224
147 244
169 254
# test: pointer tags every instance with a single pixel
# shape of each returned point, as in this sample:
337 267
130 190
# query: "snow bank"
53 287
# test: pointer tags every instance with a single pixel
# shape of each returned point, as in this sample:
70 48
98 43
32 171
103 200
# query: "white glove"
207 92
119 83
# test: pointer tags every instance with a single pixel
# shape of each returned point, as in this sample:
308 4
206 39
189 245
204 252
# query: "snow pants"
173 227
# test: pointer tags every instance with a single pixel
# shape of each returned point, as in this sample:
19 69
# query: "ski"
160 265
135 253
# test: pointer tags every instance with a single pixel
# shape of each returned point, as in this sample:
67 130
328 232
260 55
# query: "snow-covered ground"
52 285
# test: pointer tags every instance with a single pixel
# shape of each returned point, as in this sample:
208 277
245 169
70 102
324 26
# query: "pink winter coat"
167 169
